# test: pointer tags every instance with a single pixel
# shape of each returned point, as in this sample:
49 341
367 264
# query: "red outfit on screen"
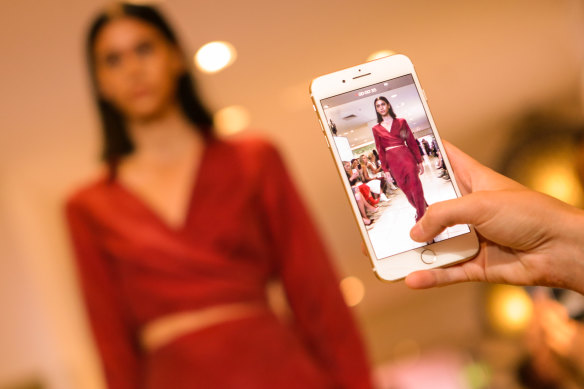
402 161
244 227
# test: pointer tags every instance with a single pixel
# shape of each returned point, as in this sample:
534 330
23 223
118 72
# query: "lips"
140 92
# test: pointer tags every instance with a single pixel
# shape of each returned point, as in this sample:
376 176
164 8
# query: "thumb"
464 210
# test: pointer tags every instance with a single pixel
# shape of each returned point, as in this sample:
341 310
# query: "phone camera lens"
343 81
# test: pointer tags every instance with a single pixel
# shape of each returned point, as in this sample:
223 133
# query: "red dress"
402 161
245 226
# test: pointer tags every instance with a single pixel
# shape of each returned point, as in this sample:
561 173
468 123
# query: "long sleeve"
411 142
380 150
321 314
109 322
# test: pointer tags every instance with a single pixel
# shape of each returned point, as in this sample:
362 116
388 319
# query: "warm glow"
477 375
558 180
510 308
215 56
353 290
407 348
380 54
231 120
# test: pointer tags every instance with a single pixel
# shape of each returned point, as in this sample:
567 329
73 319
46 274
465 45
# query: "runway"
389 233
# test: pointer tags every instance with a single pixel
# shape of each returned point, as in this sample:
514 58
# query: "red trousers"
404 170
257 352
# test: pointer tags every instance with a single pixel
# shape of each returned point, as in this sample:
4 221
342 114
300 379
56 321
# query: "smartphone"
377 113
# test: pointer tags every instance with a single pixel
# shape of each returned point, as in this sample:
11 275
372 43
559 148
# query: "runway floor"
389 233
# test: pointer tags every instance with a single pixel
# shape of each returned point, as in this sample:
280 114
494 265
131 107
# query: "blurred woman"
365 208
376 168
173 273
372 182
375 173
359 182
399 154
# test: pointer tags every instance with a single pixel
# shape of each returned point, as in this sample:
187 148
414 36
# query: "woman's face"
347 166
363 158
356 162
381 107
136 68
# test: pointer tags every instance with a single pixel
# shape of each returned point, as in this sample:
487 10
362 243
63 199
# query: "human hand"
420 168
526 238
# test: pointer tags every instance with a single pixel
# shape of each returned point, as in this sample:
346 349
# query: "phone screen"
391 159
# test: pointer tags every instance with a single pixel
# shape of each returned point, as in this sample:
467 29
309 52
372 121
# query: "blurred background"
504 82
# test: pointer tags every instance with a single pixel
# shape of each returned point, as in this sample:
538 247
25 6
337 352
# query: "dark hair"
391 113
117 143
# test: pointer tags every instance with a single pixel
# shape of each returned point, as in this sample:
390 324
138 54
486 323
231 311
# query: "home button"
428 257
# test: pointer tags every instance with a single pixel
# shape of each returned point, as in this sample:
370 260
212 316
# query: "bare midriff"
165 329
393 147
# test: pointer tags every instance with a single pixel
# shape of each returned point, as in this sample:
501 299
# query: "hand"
526 238
420 168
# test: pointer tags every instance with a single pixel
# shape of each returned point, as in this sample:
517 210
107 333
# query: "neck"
165 138
387 118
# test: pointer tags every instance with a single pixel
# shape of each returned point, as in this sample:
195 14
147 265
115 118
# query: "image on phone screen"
391 160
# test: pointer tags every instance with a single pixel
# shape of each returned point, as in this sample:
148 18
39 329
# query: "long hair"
116 142
390 111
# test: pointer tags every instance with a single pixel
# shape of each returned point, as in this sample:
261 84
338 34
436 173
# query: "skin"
137 71
363 162
382 108
362 204
526 237
371 164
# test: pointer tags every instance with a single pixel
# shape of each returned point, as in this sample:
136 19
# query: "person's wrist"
571 246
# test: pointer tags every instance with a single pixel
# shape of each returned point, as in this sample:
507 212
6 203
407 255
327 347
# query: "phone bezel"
397 266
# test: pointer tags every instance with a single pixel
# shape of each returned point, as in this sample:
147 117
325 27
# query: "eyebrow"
140 42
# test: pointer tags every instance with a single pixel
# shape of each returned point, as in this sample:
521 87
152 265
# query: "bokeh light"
231 120
215 56
353 290
476 375
510 308
558 179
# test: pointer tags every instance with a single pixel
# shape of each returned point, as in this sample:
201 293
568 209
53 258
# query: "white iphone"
385 146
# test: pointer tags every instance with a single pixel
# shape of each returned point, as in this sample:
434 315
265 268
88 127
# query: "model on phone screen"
399 154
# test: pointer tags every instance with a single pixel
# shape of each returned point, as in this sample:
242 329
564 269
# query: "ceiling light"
215 56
